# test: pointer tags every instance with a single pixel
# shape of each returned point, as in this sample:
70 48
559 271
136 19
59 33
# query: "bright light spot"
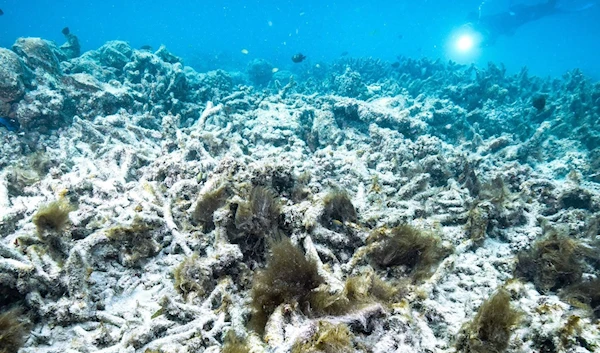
274 70
270 23
465 43
245 51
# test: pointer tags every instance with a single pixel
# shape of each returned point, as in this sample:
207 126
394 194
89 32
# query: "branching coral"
135 241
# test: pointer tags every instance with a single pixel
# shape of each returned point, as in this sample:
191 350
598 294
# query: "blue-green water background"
212 34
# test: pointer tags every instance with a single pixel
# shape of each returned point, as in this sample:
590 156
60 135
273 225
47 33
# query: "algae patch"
492 327
52 217
289 277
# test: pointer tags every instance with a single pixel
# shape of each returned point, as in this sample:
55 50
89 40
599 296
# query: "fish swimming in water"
344 53
66 31
9 124
395 64
1 12
146 47
298 58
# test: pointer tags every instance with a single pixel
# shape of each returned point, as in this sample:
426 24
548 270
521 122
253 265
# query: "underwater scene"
271 176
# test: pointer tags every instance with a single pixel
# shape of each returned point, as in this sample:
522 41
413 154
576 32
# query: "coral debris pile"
356 206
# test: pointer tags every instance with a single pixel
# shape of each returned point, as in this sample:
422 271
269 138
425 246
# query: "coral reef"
352 205
260 72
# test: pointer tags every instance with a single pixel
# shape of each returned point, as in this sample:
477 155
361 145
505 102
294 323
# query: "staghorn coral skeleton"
121 134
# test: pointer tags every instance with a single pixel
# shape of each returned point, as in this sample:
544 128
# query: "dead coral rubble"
203 207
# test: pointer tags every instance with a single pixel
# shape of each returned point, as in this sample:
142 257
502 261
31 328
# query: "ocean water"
210 35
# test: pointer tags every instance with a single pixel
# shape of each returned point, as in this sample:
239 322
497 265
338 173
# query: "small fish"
66 31
1 12
146 47
298 58
9 124
344 53
274 70
395 65
400 36
245 51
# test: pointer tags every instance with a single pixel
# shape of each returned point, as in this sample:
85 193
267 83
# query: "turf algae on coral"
408 246
553 262
116 120
586 294
208 202
135 241
192 277
13 330
328 338
235 344
52 217
491 328
258 215
288 278
337 209
358 291
51 221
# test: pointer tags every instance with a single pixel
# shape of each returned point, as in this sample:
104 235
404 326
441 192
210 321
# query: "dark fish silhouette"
344 53
146 47
539 102
298 58
1 12
395 65
9 124
66 31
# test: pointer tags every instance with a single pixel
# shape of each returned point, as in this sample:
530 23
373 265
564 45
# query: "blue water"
211 34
